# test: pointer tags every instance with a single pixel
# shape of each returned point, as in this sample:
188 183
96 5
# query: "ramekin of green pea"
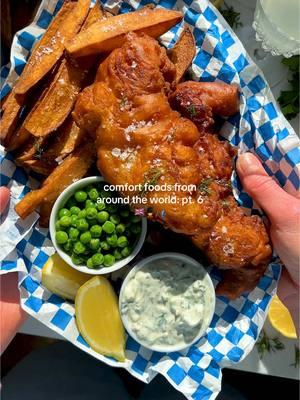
93 233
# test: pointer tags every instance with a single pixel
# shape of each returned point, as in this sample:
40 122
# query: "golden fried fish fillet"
140 139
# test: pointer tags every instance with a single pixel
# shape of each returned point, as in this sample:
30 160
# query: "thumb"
263 189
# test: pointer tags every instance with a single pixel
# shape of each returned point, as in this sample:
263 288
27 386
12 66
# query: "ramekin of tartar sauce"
167 302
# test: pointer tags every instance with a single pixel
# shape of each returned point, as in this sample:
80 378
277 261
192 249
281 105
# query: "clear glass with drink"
277 26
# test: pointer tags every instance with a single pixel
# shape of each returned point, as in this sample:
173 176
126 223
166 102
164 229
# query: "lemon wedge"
281 320
61 279
98 318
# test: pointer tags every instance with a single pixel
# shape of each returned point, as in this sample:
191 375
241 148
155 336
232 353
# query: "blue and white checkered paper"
260 128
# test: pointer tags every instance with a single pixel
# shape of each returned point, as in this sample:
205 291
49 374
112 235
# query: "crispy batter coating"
140 139
200 101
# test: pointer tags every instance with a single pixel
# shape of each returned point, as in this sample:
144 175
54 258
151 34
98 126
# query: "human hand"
4 199
283 211
11 313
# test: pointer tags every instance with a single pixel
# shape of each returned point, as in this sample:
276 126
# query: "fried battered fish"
141 139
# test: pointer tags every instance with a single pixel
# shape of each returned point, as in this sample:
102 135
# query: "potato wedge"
74 167
95 14
61 95
50 48
11 111
20 135
39 166
183 52
108 34
69 137
32 150
14 102
58 102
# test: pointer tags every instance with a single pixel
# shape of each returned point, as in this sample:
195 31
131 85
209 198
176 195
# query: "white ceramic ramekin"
210 307
60 202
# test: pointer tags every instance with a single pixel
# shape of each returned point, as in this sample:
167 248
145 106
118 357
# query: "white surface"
278 363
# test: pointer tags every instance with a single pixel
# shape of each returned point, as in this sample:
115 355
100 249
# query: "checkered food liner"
260 127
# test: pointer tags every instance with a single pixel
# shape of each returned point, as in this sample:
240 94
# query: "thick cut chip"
108 34
32 150
74 167
50 48
95 14
21 135
39 166
11 111
58 101
69 137
61 95
183 53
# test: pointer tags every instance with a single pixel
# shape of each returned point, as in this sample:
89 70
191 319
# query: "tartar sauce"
166 302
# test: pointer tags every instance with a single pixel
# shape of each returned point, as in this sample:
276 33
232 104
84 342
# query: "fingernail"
248 164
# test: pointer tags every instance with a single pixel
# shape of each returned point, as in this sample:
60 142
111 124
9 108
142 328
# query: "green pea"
85 237
102 216
112 240
112 208
117 254
91 213
82 224
122 241
94 244
61 237
64 212
79 248
90 263
70 203
104 245
81 214
101 205
68 246
97 259
73 234
96 231
93 194
89 204
74 210
124 213
108 227
80 196
115 219
120 228
57 226
65 221
76 259
136 229
109 260
134 218
74 220
125 251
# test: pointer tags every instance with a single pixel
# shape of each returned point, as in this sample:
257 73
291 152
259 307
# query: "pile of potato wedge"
37 123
